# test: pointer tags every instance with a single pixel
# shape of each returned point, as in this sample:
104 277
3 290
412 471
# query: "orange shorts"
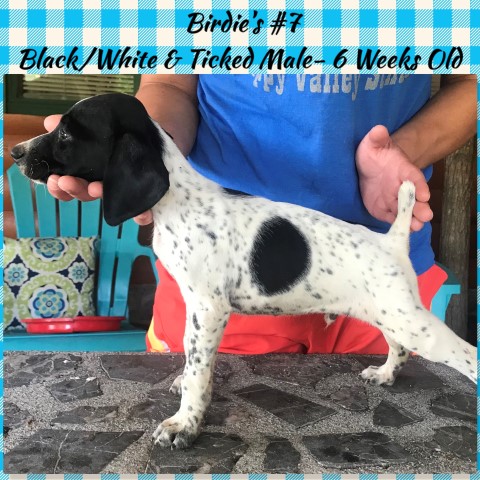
256 334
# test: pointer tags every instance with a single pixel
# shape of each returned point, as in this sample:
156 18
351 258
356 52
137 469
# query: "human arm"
444 124
171 100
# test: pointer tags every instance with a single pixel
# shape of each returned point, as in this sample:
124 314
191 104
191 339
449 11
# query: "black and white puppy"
235 253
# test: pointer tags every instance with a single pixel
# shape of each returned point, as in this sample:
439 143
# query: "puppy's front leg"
202 337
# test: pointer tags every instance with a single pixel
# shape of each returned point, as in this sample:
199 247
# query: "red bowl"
72 325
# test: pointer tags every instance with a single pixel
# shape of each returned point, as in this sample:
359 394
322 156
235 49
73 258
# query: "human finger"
55 190
95 189
51 122
422 212
416 225
75 187
144 218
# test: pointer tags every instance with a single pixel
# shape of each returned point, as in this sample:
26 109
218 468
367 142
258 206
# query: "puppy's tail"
399 232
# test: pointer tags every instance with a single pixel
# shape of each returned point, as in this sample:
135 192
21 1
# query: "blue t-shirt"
292 138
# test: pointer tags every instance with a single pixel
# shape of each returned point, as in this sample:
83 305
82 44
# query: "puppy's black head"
108 137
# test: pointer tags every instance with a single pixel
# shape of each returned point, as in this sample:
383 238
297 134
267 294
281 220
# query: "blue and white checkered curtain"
157 27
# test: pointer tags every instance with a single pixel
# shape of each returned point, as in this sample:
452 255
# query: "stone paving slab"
299 369
290 408
67 451
95 413
456 405
281 456
460 440
14 417
140 368
365 448
86 414
76 388
211 453
390 415
351 398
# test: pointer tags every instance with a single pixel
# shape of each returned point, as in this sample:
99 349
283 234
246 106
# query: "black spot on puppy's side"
280 256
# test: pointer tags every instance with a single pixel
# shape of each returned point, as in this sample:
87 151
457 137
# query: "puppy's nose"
17 153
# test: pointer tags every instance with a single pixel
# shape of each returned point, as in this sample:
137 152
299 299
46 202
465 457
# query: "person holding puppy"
340 144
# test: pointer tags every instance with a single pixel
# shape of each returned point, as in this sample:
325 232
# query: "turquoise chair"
441 300
118 248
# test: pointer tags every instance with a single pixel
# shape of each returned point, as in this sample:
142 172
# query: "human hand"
382 167
67 188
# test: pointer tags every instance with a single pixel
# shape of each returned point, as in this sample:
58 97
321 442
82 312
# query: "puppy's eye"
63 134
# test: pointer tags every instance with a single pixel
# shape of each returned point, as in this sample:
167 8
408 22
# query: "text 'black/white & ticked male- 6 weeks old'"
238 253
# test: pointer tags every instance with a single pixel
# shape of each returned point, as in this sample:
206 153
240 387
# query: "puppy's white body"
205 238
343 256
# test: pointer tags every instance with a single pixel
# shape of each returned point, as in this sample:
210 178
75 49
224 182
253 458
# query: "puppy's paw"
175 433
378 375
176 387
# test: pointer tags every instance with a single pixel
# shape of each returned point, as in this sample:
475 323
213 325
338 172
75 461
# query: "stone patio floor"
95 413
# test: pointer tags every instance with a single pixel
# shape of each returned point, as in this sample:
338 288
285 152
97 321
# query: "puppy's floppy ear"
135 178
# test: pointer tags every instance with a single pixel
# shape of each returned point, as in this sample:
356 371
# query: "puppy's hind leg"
423 333
386 373
446 347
